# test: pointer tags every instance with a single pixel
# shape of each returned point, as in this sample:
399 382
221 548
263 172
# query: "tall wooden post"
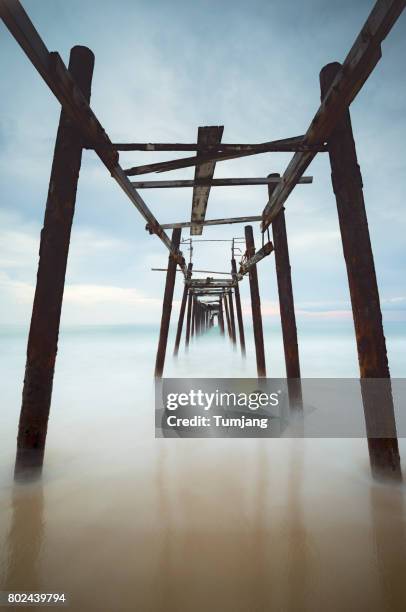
167 306
221 316
238 309
189 318
232 318
371 344
53 255
255 305
182 311
286 305
193 331
227 316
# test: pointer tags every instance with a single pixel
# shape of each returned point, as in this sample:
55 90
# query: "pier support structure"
232 318
238 308
371 345
188 318
286 305
182 311
167 304
53 255
255 305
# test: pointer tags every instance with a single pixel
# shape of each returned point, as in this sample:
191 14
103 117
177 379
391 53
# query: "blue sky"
162 69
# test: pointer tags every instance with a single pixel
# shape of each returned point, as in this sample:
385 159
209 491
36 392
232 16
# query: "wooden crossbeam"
246 266
285 144
207 135
222 153
226 221
54 72
203 283
194 271
358 65
224 182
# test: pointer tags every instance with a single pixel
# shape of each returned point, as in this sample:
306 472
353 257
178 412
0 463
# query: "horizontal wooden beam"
283 145
358 65
210 283
226 152
223 182
258 256
199 271
58 78
226 221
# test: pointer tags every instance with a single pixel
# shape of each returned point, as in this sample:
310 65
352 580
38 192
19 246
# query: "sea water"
123 521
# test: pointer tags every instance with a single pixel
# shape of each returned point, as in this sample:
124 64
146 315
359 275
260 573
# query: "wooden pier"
205 300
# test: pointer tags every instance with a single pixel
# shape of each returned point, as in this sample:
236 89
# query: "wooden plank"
282 145
254 259
227 152
225 182
54 72
198 283
207 135
228 221
357 66
199 271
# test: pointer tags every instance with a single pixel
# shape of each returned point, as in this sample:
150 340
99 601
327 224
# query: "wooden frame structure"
330 131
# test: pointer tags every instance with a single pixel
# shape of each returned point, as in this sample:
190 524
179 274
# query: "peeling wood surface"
225 182
223 153
208 135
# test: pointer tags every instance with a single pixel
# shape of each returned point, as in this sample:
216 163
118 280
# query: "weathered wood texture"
287 308
221 316
224 182
285 292
349 79
227 221
167 305
255 305
188 318
54 248
256 257
223 153
182 311
371 345
208 135
238 308
227 311
232 317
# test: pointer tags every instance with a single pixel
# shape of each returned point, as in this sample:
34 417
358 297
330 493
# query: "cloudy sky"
162 69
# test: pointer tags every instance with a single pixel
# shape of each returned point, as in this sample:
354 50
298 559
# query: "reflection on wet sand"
25 538
389 532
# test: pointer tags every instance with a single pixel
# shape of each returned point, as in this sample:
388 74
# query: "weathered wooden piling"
232 318
238 308
182 311
255 305
188 318
53 255
193 316
286 305
371 345
167 305
227 316
221 316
